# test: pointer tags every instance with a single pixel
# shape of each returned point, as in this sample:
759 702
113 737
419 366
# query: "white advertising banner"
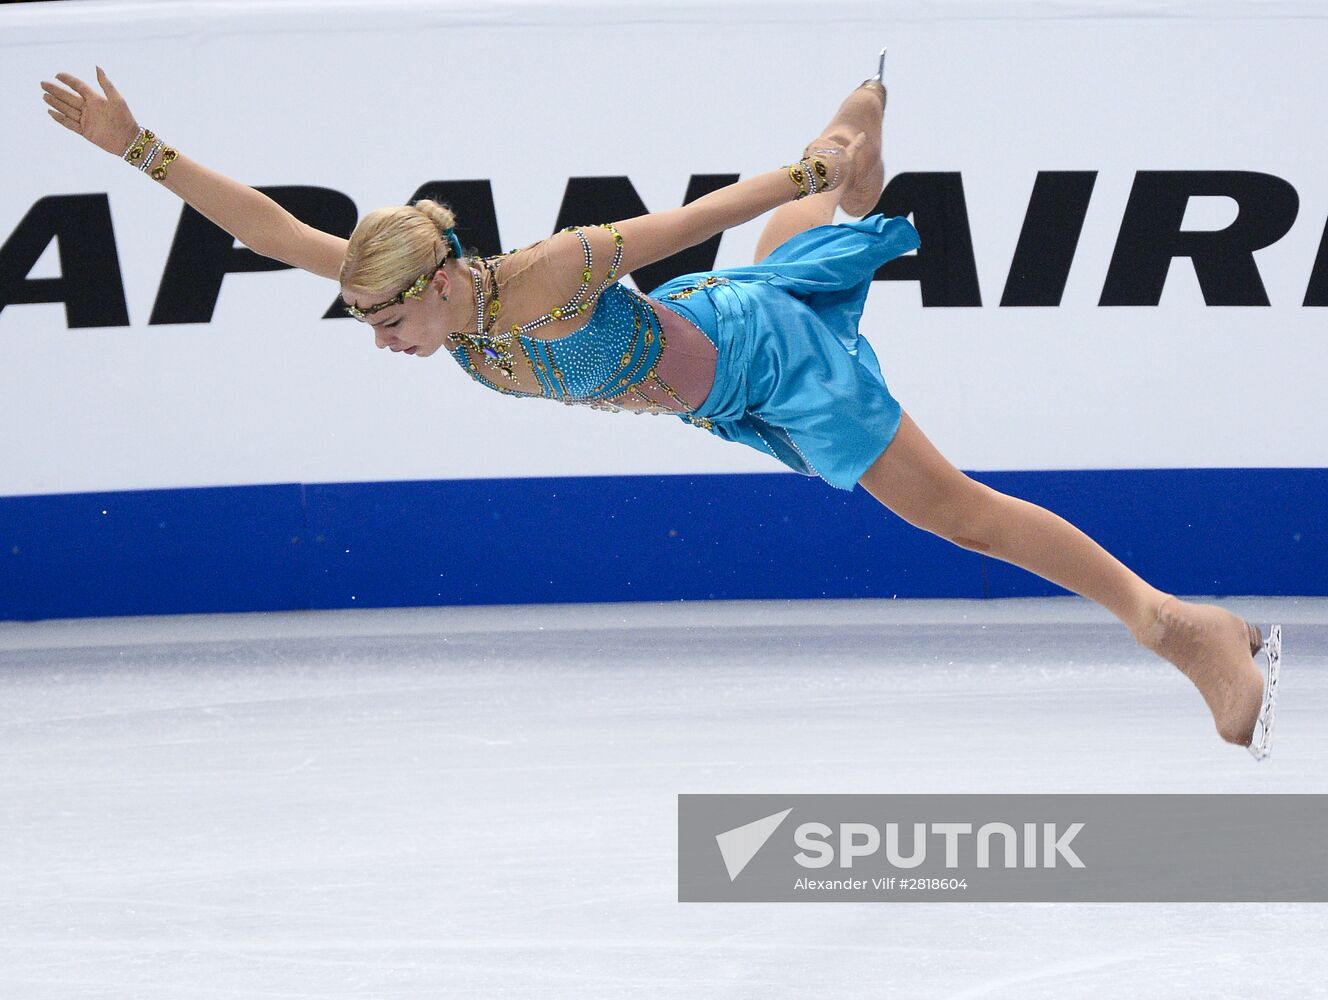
1122 210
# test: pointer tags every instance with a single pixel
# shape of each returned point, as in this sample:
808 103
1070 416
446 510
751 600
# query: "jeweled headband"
416 288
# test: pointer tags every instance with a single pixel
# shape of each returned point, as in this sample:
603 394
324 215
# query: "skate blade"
1262 743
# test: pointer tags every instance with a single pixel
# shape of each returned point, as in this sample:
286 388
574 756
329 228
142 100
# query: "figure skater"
768 355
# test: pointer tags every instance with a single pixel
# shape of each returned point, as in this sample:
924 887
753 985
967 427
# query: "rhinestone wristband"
818 164
157 147
811 176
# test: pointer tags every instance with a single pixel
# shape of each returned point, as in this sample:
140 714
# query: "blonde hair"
391 247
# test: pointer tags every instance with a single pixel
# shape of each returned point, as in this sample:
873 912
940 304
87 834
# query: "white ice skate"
1262 743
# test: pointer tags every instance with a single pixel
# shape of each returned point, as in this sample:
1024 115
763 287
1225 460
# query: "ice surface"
481 802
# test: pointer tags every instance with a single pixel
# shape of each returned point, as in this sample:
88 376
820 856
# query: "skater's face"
416 326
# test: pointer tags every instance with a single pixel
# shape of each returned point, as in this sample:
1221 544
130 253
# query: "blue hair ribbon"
456 243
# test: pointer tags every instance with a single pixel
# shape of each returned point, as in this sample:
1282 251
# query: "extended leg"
1210 645
915 481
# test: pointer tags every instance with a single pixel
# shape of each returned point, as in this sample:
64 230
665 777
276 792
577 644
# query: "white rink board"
277 94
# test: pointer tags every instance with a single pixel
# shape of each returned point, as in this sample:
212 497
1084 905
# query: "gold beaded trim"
134 154
168 157
630 377
682 403
624 379
795 173
663 346
574 306
811 176
496 348
504 340
479 377
558 374
708 282
136 150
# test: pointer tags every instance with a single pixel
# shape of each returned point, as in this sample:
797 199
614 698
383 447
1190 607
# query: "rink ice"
482 802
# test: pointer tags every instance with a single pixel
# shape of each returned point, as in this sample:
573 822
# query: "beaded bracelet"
157 147
133 155
804 174
811 176
819 165
795 175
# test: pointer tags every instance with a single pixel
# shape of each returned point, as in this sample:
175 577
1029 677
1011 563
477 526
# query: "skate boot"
1214 649
862 111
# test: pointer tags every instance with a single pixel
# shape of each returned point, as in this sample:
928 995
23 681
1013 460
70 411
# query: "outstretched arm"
249 215
648 238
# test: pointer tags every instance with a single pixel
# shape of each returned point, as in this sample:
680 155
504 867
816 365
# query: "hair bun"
440 215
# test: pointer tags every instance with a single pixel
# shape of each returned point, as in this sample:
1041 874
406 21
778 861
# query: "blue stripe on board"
1187 531
227 548
617 538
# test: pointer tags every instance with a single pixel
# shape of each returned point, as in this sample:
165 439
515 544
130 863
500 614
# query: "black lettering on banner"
944 265
1053 223
90 284
1151 235
92 288
323 208
589 201
1317 292
202 253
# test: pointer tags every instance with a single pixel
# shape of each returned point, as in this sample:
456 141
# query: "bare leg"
915 481
795 217
1210 645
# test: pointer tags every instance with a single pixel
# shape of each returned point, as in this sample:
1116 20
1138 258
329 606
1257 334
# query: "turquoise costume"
614 353
626 345
793 377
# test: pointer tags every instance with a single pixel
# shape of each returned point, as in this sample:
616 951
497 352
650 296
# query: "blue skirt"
793 377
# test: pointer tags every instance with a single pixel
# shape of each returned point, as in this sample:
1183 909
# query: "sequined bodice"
618 357
614 355
611 354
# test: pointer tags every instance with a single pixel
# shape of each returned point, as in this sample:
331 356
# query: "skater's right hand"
106 122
